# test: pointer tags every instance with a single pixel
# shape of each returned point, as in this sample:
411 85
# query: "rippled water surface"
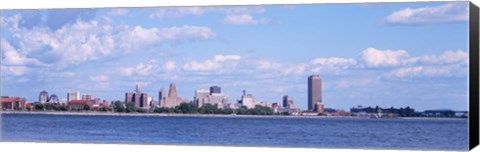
429 134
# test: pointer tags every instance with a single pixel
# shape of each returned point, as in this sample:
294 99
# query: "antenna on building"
244 92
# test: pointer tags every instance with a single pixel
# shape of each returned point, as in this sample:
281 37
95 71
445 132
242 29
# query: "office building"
215 89
138 98
12 103
288 102
314 91
247 100
53 99
43 97
201 97
172 99
86 97
73 96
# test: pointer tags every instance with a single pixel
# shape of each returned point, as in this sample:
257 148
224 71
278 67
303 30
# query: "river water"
364 133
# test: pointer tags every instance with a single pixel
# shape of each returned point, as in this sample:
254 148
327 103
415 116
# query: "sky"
385 54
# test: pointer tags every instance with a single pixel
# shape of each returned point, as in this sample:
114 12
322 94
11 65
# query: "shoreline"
206 115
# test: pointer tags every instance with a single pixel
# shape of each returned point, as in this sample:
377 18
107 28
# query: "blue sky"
386 54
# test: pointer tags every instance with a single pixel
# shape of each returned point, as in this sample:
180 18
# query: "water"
421 134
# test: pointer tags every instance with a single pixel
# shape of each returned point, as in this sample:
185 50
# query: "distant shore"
202 115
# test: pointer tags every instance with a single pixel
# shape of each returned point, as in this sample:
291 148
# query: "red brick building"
12 103
80 104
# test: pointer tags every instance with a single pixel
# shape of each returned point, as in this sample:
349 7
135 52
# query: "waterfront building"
275 107
215 89
105 103
319 107
288 102
80 104
247 100
53 99
201 97
172 99
212 96
86 97
138 98
73 96
314 91
12 103
43 97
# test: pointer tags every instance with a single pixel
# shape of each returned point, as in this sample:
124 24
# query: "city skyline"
378 57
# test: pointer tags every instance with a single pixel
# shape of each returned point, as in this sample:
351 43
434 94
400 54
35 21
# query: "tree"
130 107
242 110
86 107
207 109
118 106
38 106
186 108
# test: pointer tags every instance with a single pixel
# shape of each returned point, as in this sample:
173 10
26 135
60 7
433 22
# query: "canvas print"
364 75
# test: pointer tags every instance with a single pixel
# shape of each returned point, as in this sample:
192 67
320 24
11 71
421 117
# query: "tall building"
247 100
215 89
138 98
288 102
73 96
172 99
314 91
201 97
86 97
53 98
43 97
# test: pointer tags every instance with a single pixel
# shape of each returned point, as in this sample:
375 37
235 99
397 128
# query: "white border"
46 4
49 4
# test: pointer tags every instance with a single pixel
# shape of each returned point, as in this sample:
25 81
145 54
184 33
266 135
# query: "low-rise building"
80 104
13 103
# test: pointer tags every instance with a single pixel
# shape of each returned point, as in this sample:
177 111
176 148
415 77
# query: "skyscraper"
53 98
314 91
172 99
138 98
215 89
43 97
73 96
288 102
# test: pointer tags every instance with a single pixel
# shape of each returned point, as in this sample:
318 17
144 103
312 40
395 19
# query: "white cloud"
169 66
85 41
279 89
118 12
13 57
99 78
207 65
217 64
266 64
296 70
334 61
383 58
222 58
446 70
14 70
450 12
177 12
152 67
243 19
448 57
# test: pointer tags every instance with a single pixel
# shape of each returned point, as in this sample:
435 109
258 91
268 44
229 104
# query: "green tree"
187 108
39 106
207 109
49 106
86 107
118 106
130 107
242 110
